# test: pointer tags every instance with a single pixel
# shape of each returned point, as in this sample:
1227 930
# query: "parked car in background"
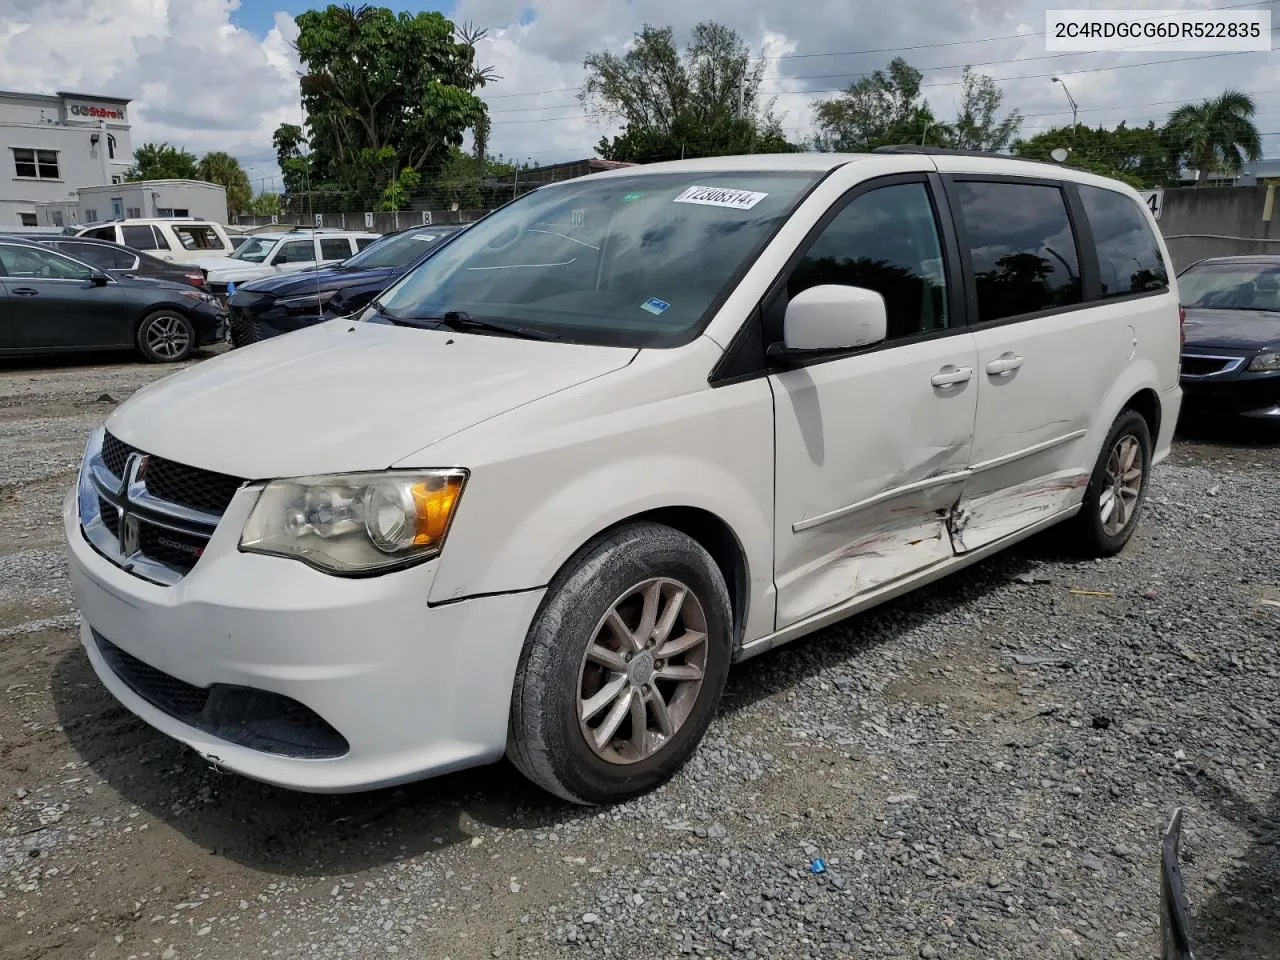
238 240
271 254
117 259
275 305
624 432
50 302
1231 357
179 240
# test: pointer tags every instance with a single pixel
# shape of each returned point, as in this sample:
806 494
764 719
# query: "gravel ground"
983 769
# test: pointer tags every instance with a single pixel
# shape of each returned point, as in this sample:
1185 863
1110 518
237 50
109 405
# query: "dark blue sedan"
275 305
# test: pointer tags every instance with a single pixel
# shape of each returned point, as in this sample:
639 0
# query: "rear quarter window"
140 237
1129 258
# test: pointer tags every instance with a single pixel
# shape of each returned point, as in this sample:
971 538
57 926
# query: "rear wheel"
166 336
623 667
1117 489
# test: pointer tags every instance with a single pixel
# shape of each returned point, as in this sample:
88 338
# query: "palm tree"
1216 135
224 169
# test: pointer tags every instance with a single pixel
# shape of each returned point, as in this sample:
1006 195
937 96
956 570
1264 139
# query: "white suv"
180 240
267 254
624 432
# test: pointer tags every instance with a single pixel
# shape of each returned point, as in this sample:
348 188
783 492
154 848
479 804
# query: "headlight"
197 295
358 523
308 300
1265 363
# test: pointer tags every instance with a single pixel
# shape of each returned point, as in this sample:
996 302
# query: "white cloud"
200 81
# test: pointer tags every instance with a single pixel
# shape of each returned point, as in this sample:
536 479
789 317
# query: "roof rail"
941 151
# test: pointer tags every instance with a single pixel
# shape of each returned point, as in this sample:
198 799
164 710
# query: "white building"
141 198
50 146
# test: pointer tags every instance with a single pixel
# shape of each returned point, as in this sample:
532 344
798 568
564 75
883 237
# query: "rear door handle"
1004 364
25 292
951 375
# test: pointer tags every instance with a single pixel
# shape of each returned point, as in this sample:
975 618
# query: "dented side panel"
998 513
853 430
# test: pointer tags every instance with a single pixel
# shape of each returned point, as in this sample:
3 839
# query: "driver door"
872 447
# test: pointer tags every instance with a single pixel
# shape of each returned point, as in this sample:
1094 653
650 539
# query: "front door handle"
950 375
1004 364
25 292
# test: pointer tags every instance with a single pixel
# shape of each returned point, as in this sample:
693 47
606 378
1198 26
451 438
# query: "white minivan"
624 432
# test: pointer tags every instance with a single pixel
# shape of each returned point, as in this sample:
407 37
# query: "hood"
307 281
1232 329
234 271
344 396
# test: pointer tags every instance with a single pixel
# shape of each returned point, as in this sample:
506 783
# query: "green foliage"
159 161
382 92
295 168
266 205
704 103
224 169
976 126
1140 156
1215 135
880 109
396 195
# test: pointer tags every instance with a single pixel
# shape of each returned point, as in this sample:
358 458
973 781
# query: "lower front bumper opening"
254 719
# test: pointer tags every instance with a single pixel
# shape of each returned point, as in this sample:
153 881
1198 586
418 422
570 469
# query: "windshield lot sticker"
721 197
632 196
654 305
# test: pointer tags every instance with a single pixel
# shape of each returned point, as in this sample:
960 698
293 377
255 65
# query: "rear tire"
166 336
615 688
1117 489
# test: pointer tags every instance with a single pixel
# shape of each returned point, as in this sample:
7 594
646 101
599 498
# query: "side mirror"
99 279
829 318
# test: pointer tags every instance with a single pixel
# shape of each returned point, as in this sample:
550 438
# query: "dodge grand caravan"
624 432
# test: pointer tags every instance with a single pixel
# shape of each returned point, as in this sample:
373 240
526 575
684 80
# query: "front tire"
623 667
166 336
1117 489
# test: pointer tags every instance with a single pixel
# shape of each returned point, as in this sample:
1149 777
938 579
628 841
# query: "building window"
133 213
35 164
117 179
27 219
111 147
89 215
164 211
56 218
181 212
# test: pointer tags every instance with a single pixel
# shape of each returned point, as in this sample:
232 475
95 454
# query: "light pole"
1071 100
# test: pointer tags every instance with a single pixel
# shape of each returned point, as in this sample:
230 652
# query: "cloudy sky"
221 74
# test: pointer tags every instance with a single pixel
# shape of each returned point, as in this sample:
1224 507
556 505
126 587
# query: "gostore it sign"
94 111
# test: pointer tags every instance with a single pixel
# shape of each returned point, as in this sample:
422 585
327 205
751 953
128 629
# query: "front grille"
156 536
1194 366
251 718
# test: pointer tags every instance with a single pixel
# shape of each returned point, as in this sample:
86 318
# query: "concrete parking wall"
377 221
1200 222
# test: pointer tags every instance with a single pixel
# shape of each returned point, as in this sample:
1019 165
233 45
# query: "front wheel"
623 667
166 336
1117 489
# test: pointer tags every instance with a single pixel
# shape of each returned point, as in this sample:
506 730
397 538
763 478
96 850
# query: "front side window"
197 238
102 233
1022 247
33 263
35 164
1129 258
885 240
1231 285
295 251
140 237
622 260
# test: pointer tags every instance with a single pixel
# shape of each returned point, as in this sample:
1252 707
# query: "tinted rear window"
1129 258
1022 247
139 237
109 258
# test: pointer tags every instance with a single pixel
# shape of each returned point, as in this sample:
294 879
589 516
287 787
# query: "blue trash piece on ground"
818 866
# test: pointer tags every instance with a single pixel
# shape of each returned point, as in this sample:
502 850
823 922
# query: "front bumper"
1256 396
413 691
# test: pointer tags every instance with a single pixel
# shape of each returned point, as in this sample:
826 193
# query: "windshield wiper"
457 320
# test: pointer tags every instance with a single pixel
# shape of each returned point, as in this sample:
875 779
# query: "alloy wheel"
1122 485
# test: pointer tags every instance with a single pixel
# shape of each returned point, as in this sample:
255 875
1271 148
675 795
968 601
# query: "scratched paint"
983 519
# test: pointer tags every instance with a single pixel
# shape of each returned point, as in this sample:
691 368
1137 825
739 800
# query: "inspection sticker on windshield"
654 305
721 197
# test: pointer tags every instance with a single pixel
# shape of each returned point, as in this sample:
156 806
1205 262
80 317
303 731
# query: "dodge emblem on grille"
130 535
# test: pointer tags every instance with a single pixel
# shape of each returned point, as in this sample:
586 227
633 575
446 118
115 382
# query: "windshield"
255 249
1231 286
399 250
626 261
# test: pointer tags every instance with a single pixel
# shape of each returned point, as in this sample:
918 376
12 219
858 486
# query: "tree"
704 103
382 92
224 169
976 127
159 161
396 195
879 110
266 205
1140 156
295 168
1215 135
